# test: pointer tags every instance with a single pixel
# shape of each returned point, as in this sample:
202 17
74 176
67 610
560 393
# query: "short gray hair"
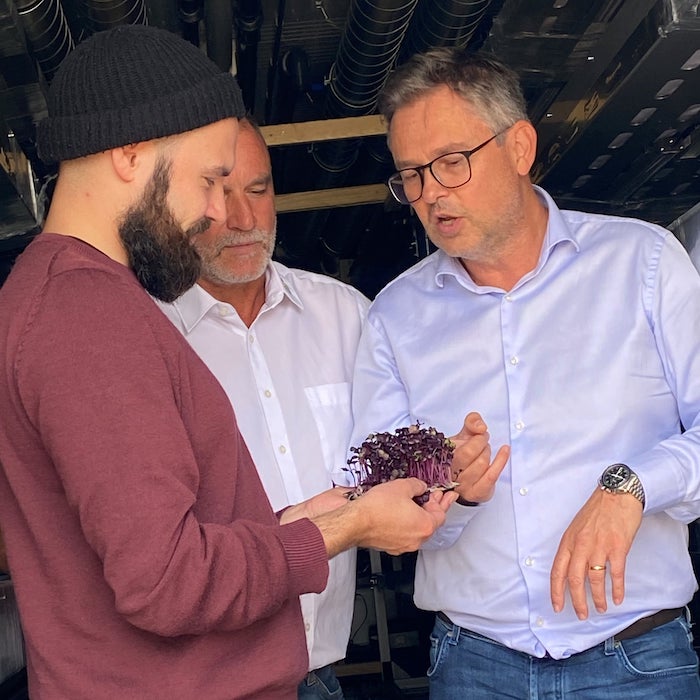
489 86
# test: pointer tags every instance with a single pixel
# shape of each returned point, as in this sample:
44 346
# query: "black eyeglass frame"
420 169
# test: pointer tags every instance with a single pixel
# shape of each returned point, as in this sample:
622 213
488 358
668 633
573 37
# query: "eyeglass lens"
450 170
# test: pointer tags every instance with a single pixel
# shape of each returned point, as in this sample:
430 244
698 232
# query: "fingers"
475 453
417 487
440 501
473 425
477 480
596 580
577 573
579 577
617 577
557 578
437 505
592 554
577 588
499 463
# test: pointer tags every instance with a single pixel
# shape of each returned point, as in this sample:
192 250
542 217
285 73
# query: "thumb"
473 425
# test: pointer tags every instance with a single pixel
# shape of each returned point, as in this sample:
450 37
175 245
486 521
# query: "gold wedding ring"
597 567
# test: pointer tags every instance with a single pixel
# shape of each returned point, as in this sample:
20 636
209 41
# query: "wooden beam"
323 130
326 199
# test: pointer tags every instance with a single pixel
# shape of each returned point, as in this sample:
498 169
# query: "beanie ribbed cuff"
129 84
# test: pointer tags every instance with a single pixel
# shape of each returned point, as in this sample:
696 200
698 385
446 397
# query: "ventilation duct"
105 14
191 13
249 19
367 52
292 80
163 14
218 24
443 23
432 23
47 32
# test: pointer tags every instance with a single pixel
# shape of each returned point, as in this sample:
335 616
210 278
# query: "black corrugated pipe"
443 23
433 23
368 48
190 15
292 80
163 14
274 66
105 14
249 19
346 228
218 26
47 32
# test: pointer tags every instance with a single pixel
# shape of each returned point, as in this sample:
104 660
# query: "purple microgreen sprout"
416 451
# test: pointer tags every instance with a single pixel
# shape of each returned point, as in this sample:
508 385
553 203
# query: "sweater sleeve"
98 387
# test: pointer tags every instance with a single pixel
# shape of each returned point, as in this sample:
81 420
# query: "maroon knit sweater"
147 560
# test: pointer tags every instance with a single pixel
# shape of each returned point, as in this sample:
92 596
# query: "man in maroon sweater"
146 558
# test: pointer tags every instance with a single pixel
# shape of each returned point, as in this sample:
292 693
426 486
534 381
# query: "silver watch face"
615 476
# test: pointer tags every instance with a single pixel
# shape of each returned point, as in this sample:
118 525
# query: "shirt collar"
558 231
196 303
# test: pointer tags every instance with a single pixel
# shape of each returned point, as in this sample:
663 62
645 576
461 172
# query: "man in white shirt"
282 344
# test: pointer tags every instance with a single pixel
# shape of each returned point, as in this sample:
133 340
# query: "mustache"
199 227
230 239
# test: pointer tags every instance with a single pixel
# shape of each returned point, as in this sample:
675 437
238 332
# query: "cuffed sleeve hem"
664 487
306 556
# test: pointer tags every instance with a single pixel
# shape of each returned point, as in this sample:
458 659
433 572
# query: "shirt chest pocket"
330 406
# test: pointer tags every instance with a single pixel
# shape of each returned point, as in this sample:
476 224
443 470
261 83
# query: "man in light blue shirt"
577 338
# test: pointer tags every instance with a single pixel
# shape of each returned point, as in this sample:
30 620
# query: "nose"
432 189
239 213
216 204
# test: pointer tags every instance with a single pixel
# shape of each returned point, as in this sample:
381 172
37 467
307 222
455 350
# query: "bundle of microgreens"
412 451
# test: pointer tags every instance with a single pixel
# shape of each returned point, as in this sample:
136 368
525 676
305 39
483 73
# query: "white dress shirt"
288 377
592 358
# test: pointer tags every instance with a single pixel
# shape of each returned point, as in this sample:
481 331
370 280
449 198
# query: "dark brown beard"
159 250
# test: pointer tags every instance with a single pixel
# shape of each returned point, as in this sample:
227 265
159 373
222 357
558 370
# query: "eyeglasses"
451 170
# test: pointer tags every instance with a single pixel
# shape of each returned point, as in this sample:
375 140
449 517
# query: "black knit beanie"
128 84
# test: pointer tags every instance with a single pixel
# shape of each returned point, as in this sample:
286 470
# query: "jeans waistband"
636 629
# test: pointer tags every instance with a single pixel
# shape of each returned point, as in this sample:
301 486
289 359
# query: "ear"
129 161
524 145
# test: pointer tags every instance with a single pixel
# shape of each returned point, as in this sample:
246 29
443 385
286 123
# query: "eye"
408 176
452 160
210 181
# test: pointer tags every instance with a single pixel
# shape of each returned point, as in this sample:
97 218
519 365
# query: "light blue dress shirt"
592 358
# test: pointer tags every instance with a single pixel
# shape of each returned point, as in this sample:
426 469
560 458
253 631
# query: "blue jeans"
320 684
658 665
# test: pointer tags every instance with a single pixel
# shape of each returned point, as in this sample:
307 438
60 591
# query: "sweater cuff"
306 556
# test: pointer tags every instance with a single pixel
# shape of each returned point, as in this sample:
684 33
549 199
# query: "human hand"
394 522
324 502
472 468
601 534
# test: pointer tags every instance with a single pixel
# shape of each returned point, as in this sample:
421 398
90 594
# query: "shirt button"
529 561
539 622
223 310
514 360
508 297
268 393
251 338
283 449
523 491
519 425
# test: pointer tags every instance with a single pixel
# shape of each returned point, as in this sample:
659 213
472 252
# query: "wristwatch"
619 478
